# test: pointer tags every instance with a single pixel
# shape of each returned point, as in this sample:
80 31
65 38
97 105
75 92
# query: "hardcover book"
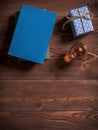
48 51
32 34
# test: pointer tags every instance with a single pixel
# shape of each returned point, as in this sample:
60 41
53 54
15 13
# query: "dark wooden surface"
52 96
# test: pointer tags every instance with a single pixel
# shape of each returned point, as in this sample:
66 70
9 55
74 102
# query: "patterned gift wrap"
81 25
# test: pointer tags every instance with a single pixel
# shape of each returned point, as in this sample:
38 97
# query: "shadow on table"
64 34
8 60
61 65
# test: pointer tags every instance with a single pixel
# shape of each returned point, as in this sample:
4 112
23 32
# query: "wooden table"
52 96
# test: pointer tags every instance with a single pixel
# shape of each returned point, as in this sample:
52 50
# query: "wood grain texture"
52 96
69 120
52 69
49 95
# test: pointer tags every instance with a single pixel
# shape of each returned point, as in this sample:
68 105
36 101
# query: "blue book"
32 34
48 51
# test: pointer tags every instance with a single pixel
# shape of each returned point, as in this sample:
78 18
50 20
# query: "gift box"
81 21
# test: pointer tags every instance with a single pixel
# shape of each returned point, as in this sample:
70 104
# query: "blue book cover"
48 50
32 34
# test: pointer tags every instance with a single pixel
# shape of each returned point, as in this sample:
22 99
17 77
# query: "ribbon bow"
84 15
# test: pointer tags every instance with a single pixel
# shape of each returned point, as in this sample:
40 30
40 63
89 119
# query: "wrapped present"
81 21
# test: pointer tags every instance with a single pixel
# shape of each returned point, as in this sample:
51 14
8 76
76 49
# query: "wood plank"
49 88
52 69
48 104
48 95
66 120
63 5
